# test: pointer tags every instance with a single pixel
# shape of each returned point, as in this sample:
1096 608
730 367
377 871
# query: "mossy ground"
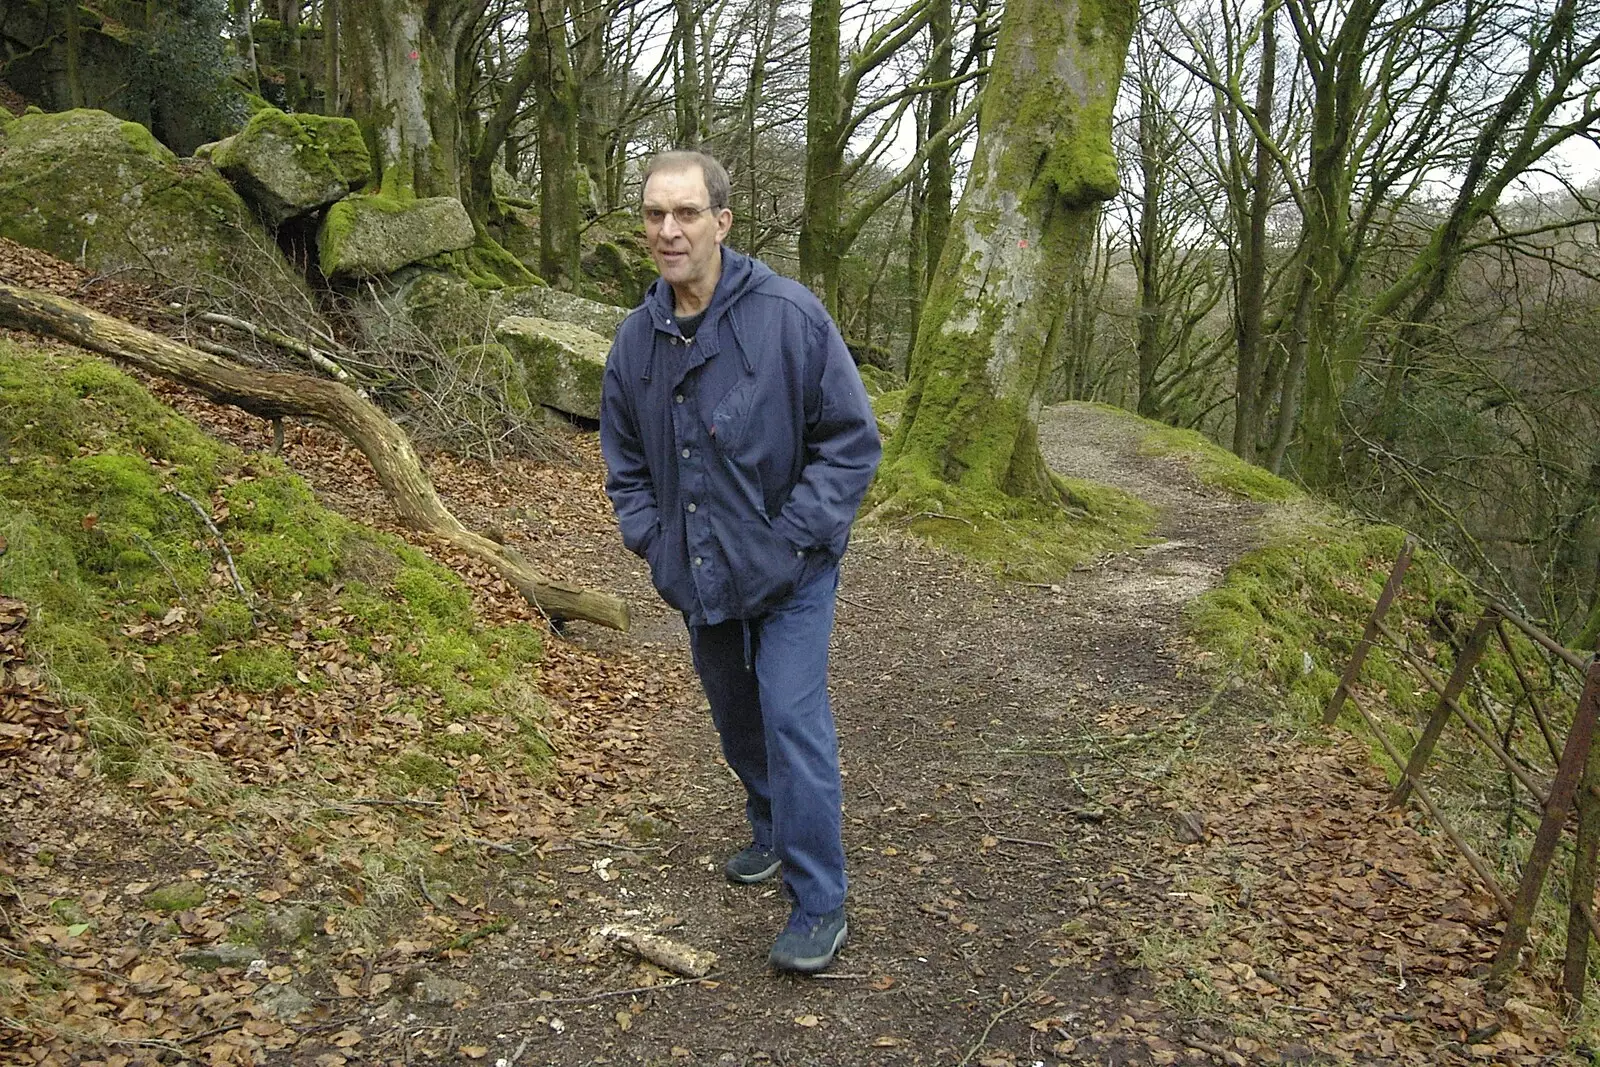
1213 465
130 598
1017 538
1287 618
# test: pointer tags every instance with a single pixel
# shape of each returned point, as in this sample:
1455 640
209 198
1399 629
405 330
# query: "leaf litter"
313 907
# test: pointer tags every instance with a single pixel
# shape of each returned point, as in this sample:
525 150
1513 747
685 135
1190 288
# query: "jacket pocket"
731 418
764 566
667 575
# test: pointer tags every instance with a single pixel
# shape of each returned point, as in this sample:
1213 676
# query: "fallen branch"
272 395
663 952
233 571
318 358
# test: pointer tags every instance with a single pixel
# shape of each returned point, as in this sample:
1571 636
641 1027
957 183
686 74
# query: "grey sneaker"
752 865
809 942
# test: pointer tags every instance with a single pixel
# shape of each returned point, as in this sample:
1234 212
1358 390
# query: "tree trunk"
754 86
401 59
1252 293
917 268
333 102
997 312
74 55
824 184
591 18
1147 257
686 90
272 395
938 195
560 214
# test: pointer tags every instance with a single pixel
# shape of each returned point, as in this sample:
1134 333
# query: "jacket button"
685 453
678 399
691 505
698 561
800 553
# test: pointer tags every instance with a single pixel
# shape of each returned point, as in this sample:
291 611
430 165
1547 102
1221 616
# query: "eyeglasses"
655 216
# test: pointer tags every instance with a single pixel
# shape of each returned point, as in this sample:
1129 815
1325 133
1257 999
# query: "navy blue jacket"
736 459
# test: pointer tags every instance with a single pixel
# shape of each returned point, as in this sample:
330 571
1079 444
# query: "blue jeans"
767 682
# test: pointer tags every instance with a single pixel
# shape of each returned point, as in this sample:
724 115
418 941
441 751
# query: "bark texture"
273 395
997 313
401 60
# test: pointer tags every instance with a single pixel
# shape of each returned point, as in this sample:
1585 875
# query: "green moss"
179 896
879 381
1214 465
322 144
128 607
68 911
1017 537
144 142
1291 613
411 770
87 186
468 743
257 669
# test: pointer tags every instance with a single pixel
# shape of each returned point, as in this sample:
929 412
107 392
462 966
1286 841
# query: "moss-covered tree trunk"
560 215
401 60
824 182
938 194
1147 256
1251 220
997 312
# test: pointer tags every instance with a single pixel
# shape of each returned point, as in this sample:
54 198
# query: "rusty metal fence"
1574 784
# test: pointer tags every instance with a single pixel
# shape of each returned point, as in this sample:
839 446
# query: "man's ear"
724 223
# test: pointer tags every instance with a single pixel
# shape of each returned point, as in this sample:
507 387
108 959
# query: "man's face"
688 254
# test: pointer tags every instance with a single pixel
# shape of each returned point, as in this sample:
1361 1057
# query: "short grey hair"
718 185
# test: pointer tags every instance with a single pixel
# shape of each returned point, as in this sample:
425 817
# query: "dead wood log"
663 952
273 395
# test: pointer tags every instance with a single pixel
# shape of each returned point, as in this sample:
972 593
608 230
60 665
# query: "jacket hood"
740 274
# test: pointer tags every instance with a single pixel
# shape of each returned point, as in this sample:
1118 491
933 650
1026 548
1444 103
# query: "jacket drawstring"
749 661
738 340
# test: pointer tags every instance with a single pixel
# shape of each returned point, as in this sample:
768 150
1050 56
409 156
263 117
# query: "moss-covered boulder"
563 363
88 187
368 236
542 302
290 165
418 304
619 270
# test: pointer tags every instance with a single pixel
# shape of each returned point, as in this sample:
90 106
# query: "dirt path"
1017 758
995 840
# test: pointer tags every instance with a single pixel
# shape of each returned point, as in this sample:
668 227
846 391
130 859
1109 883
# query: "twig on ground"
497 846
618 845
402 802
233 571
616 993
1228 1056
939 515
155 555
427 894
994 1020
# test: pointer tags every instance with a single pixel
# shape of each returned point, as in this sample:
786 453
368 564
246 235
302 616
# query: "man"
739 442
